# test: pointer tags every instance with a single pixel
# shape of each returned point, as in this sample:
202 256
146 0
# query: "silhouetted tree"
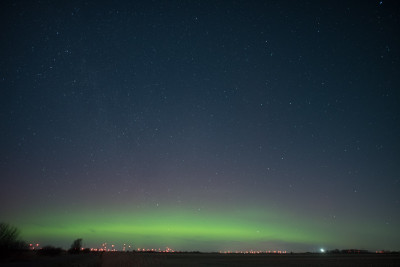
76 246
9 238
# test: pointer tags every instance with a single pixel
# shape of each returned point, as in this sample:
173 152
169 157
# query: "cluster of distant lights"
170 250
34 246
126 247
167 250
104 247
112 248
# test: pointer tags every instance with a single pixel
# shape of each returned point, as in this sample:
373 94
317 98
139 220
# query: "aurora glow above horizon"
188 230
201 125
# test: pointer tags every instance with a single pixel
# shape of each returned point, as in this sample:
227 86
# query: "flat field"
211 259
109 259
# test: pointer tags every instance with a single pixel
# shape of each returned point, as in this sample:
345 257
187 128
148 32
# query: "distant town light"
322 250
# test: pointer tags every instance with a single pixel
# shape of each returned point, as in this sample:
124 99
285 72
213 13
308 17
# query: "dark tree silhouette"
9 238
76 246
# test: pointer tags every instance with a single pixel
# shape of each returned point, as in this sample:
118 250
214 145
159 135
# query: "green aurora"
185 229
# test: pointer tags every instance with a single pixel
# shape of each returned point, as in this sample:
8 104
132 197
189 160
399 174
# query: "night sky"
201 125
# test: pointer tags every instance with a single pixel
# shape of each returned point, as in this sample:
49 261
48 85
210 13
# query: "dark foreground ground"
109 259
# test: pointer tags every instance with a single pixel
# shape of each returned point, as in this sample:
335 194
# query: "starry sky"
201 125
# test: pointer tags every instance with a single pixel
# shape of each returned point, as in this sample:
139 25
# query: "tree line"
11 242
